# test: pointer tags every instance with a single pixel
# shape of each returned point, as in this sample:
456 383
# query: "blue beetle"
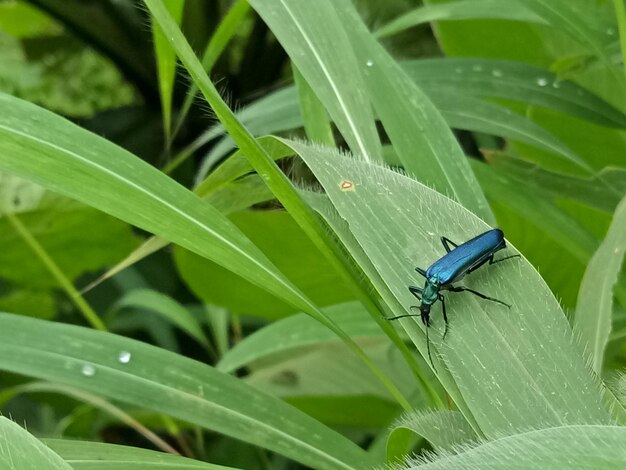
458 261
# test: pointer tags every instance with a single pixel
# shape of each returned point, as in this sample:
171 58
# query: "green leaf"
316 122
161 304
444 429
296 332
166 63
594 309
580 447
425 145
317 43
590 191
466 112
512 80
459 10
76 236
83 455
141 375
22 451
225 31
398 223
55 153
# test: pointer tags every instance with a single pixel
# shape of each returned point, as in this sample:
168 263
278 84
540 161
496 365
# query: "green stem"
620 14
56 272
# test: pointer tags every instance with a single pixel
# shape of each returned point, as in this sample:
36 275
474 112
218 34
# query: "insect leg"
445 317
494 261
446 242
482 296
421 271
406 315
416 291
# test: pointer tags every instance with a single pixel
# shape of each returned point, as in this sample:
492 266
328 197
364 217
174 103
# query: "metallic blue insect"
452 267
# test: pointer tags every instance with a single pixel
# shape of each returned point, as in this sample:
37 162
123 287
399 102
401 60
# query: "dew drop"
124 357
496 73
542 81
610 32
556 84
458 70
477 68
369 62
88 370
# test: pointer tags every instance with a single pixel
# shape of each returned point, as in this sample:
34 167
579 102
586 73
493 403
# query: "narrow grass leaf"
167 307
298 331
83 455
423 141
316 123
226 30
459 10
469 113
594 309
20 450
141 375
590 191
316 42
513 81
166 64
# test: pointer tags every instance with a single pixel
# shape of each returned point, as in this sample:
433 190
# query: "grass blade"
594 309
459 10
21 451
164 382
83 455
316 42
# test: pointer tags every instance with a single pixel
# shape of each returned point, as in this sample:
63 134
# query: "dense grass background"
207 208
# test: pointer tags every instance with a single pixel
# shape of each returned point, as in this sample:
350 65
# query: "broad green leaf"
595 299
459 10
77 237
55 153
398 223
19 450
167 307
282 241
141 375
581 447
512 81
166 64
317 43
424 143
36 303
444 429
296 332
83 455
